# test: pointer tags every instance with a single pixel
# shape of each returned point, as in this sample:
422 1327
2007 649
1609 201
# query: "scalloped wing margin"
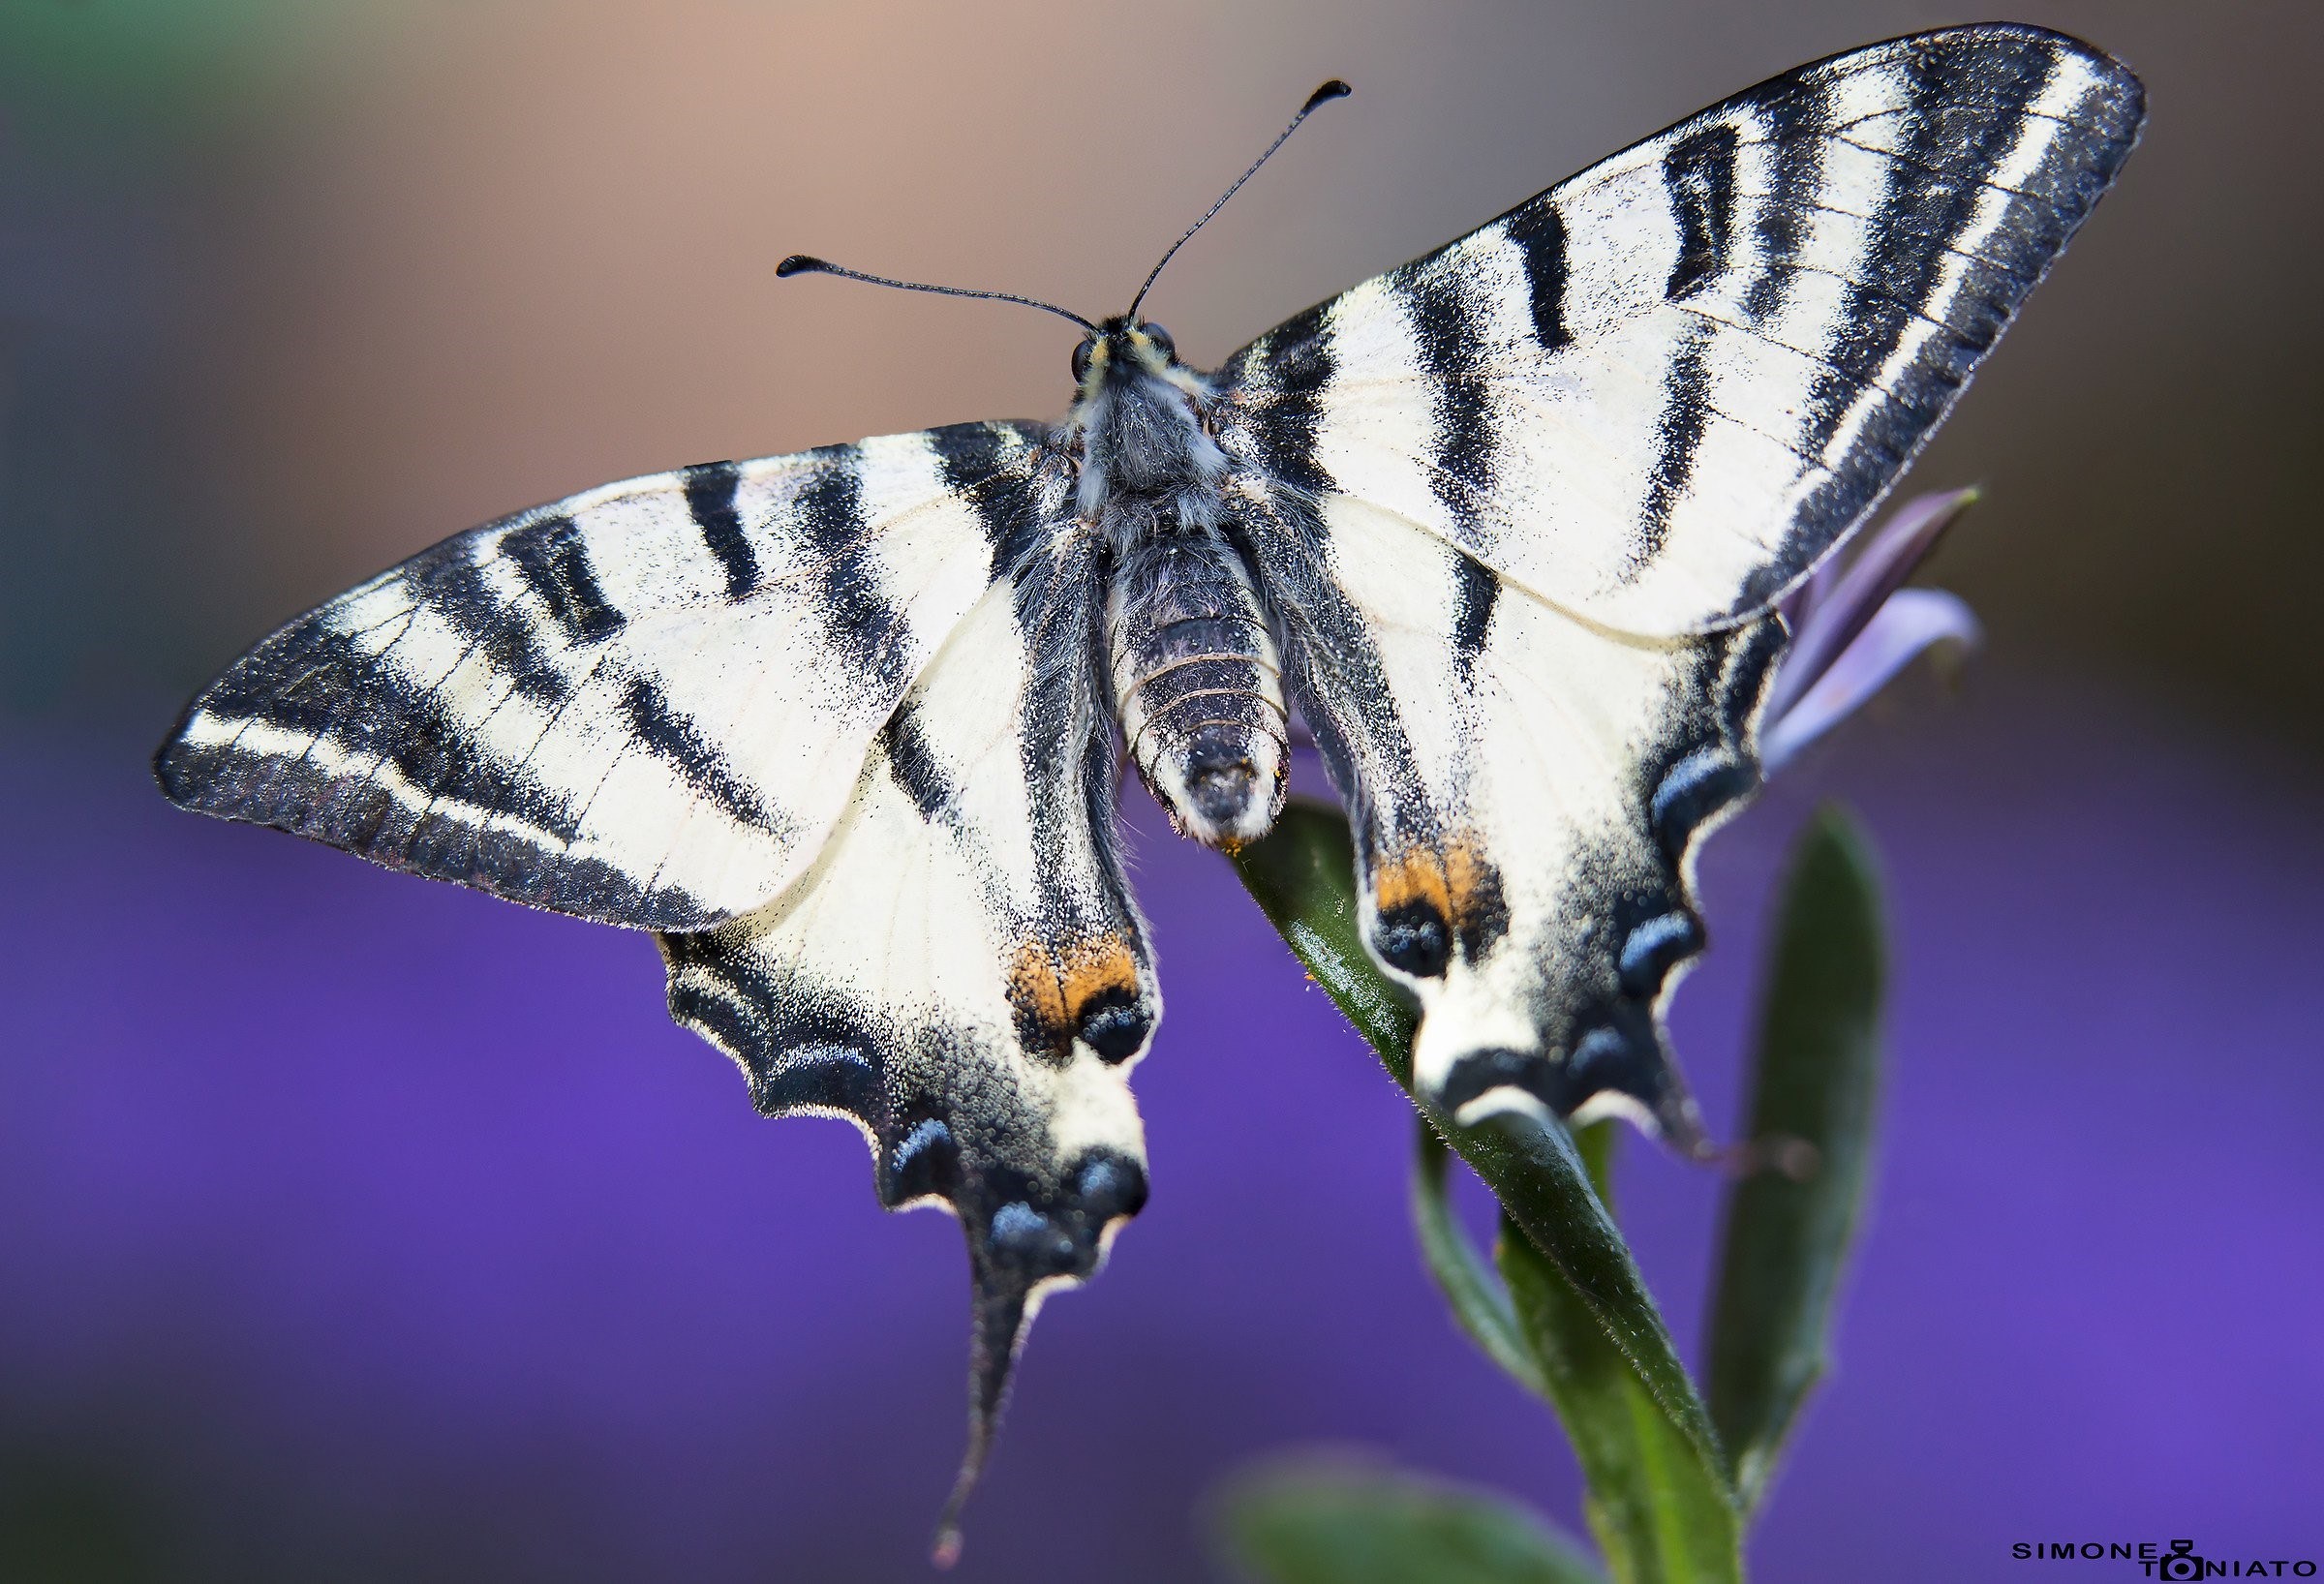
962 973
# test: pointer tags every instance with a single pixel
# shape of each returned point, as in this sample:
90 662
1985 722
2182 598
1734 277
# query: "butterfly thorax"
1193 658
1139 427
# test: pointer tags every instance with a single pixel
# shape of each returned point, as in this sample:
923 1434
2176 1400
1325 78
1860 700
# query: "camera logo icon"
2182 1563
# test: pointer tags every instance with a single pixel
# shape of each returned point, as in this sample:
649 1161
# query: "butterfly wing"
962 973
1526 791
1657 394
1523 507
643 705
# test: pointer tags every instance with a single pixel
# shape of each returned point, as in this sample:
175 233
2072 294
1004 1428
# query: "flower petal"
1828 613
1799 607
1911 622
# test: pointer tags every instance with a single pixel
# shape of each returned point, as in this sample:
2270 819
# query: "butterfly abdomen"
1197 686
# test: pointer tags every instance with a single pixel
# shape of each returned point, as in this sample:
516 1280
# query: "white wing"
1526 790
1523 507
1659 393
962 973
643 705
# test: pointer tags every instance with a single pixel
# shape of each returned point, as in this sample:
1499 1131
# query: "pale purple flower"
1853 630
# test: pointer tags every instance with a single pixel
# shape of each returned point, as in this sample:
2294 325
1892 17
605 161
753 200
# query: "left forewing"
642 705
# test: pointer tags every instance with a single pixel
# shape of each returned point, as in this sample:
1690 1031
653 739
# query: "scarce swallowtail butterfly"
1505 528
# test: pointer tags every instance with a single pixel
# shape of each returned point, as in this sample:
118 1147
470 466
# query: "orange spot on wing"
1051 985
1416 875
1094 967
1457 881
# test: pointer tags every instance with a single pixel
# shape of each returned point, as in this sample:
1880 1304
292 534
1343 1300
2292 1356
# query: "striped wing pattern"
1527 791
962 973
1658 393
833 724
1524 506
643 705
869 810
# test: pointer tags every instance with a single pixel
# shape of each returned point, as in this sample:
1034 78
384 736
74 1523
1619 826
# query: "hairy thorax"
1191 649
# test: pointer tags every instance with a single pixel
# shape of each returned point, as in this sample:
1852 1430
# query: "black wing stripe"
673 737
858 621
1446 325
1299 361
981 461
710 489
1538 235
1479 594
1782 212
1678 439
456 590
1700 172
555 566
1334 672
913 762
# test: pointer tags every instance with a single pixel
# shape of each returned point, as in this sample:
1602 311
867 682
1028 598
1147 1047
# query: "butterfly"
1505 528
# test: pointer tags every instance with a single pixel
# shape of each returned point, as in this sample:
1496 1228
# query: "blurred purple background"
356 1228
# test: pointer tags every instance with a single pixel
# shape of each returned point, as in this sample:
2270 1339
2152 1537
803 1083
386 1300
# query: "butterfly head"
1137 418
1120 349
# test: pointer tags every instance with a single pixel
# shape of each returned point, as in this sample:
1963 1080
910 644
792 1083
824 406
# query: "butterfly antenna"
803 263
1333 89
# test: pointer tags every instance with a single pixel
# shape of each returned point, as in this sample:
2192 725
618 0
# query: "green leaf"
1659 1512
1319 1524
1304 878
1544 1185
1659 1508
1596 1145
1469 1283
1817 1079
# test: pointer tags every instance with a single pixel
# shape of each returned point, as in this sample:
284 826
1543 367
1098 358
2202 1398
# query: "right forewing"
1657 394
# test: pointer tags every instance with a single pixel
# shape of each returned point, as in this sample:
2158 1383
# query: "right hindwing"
1524 506
1525 791
644 705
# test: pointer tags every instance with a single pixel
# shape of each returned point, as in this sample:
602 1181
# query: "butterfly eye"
1081 360
1160 338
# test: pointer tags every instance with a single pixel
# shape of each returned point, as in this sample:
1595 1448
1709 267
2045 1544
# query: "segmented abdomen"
1196 684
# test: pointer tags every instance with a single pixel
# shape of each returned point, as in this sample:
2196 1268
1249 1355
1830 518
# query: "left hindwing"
962 973
1657 394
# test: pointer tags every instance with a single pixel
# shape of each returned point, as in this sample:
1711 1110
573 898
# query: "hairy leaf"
1321 1524
1814 1090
